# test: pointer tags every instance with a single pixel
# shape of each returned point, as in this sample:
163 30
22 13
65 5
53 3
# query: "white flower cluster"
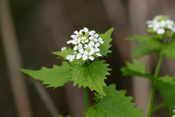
86 45
160 24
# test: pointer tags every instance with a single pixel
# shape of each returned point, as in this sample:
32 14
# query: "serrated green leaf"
91 76
135 69
53 77
104 48
166 86
168 50
152 41
114 104
142 50
64 53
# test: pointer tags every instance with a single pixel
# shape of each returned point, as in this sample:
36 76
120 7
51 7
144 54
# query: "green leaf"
64 53
152 41
54 77
166 87
91 76
104 48
142 50
168 50
114 104
135 69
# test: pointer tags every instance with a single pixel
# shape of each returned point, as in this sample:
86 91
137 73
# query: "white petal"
162 23
92 51
70 57
76 32
79 56
85 29
86 40
91 58
80 32
81 51
97 49
173 29
69 42
80 46
86 46
97 45
96 35
86 53
91 32
63 48
91 38
160 31
74 42
91 43
85 57
73 36
98 54
100 40
95 40
150 26
75 48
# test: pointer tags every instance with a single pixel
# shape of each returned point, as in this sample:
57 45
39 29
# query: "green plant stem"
86 97
152 94
158 107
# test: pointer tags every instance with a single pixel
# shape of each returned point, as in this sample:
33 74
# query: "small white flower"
70 57
88 55
63 48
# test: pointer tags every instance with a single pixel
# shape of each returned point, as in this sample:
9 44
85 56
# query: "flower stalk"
152 94
86 98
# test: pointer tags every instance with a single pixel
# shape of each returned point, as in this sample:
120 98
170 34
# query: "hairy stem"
86 97
151 101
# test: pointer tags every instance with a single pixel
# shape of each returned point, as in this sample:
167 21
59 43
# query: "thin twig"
13 60
46 99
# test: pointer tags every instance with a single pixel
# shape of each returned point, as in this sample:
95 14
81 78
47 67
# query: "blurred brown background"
31 29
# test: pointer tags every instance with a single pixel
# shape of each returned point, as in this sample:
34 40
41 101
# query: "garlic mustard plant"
82 66
160 41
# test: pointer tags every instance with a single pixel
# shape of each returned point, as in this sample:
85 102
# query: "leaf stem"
158 107
151 101
86 97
